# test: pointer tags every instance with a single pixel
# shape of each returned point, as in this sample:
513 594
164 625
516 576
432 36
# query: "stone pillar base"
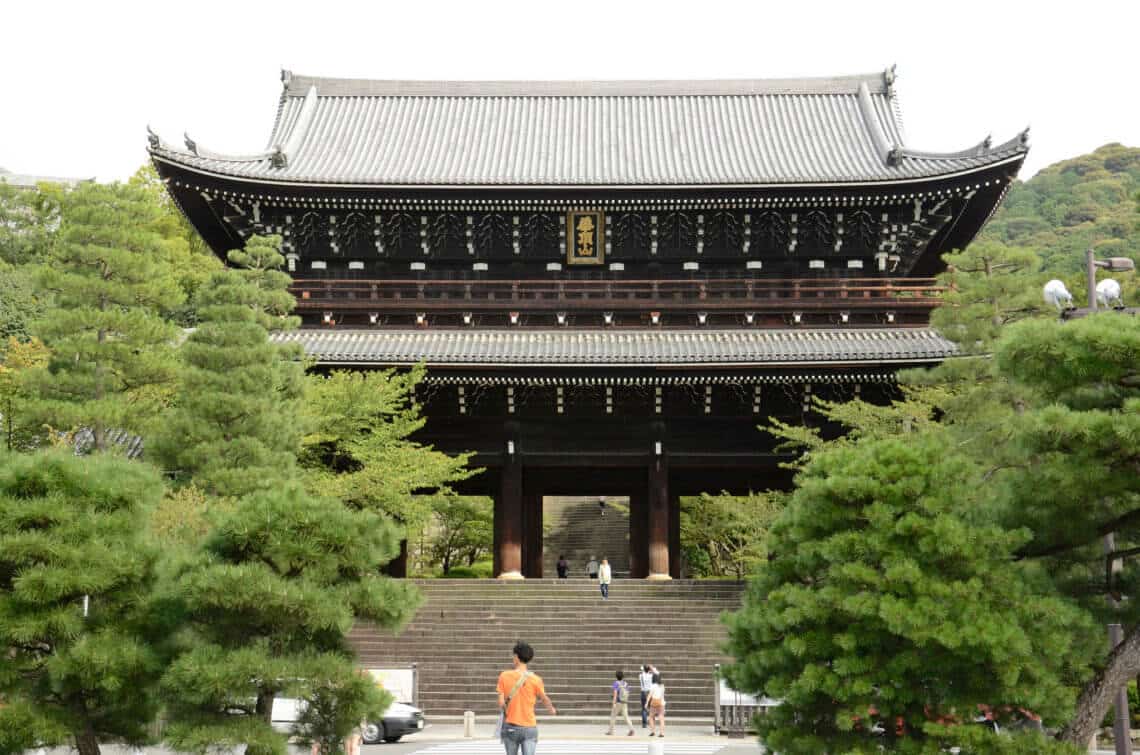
510 575
659 577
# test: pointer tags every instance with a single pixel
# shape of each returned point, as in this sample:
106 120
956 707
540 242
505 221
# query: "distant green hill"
1086 201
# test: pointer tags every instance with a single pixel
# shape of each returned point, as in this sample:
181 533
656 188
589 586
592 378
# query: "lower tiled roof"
620 348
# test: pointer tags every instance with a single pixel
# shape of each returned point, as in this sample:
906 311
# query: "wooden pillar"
675 536
658 494
638 536
509 518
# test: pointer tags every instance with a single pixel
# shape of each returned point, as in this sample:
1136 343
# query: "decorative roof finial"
987 142
1024 137
286 77
889 79
278 159
190 143
894 157
152 138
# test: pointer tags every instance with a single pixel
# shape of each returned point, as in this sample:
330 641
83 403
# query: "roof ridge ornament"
152 138
889 152
889 77
286 77
190 143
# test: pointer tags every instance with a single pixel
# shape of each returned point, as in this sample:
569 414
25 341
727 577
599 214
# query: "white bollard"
656 748
468 723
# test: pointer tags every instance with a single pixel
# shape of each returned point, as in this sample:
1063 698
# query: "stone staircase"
575 527
462 636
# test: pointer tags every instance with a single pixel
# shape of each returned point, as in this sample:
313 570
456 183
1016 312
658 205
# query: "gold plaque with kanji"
585 237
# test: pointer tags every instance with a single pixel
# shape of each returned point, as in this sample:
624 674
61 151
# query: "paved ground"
570 739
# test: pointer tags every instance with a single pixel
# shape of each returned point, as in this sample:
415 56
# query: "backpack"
623 693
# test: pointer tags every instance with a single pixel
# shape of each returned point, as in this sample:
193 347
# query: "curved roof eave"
170 157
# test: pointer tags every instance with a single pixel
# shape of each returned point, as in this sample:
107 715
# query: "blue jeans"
520 739
644 712
605 591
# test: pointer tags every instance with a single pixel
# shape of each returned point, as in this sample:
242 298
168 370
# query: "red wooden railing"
482 295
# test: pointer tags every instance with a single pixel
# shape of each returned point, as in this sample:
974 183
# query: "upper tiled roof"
609 133
616 348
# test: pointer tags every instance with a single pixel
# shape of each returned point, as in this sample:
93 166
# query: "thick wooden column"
509 519
658 493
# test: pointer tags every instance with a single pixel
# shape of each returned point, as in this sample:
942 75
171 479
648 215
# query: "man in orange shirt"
518 689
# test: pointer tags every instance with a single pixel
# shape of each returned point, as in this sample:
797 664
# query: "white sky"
81 80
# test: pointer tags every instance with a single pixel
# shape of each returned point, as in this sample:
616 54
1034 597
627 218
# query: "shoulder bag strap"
515 689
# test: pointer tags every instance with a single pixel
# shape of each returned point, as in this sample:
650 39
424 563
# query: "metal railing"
735 712
807 293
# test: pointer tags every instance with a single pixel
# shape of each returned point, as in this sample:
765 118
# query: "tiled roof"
617 348
609 133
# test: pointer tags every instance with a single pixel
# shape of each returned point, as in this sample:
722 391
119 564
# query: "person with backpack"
620 702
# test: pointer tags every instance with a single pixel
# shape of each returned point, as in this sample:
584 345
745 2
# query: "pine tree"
1073 475
185 255
267 605
890 610
75 578
112 353
235 428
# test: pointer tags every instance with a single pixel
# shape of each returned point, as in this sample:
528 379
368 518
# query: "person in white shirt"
592 568
645 680
656 706
604 577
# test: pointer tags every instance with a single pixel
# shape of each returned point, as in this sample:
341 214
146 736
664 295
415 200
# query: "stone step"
461 637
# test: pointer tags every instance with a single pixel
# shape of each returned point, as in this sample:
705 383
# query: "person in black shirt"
563 567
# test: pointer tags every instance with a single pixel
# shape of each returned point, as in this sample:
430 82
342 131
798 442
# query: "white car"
399 719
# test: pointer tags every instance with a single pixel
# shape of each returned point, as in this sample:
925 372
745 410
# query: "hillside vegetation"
1066 208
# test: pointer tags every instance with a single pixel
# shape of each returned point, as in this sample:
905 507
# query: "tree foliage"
70 532
21 432
267 605
463 530
112 353
360 448
1071 206
889 608
235 427
726 535
184 256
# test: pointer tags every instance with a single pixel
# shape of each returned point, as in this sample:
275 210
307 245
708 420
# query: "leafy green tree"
890 610
29 219
360 450
20 303
266 607
112 354
1071 206
727 535
463 530
335 708
75 579
185 256
21 433
235 427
